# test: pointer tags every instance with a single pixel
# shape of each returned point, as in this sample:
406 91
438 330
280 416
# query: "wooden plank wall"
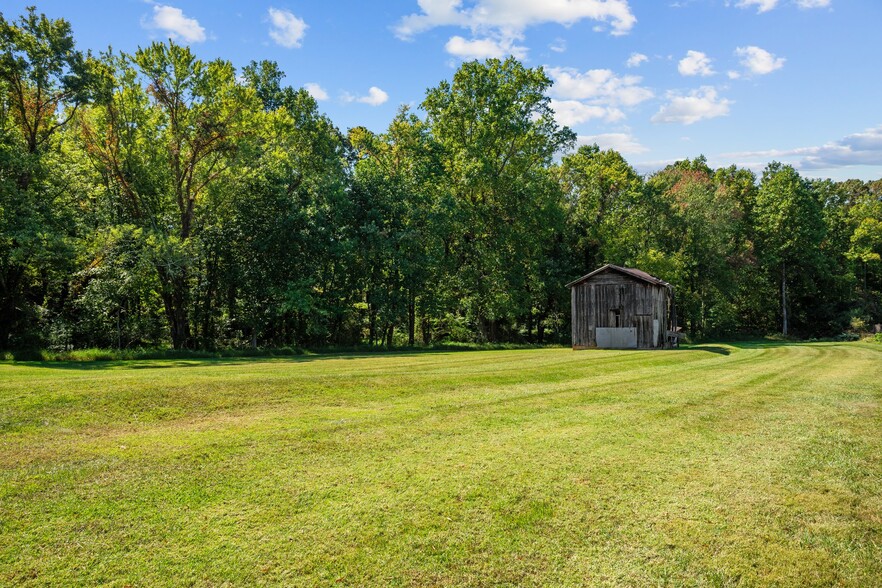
640 304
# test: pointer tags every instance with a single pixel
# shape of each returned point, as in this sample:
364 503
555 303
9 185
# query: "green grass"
753 465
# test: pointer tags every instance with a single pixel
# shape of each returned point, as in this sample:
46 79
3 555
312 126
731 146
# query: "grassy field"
755 464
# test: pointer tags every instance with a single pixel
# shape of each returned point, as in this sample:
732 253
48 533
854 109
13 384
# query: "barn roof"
628 271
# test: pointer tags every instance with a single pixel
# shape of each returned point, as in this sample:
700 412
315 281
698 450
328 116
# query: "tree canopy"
158 199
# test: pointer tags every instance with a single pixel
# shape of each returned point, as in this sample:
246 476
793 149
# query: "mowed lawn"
719 465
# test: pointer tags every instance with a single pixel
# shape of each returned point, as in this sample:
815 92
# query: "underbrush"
97 354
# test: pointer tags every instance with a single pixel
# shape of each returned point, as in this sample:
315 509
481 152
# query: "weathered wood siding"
639 304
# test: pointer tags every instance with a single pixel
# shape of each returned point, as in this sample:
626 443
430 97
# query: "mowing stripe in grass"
724 465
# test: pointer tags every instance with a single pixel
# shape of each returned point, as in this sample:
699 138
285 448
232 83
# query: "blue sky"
740 81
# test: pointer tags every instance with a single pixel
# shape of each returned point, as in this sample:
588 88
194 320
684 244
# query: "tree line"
154 198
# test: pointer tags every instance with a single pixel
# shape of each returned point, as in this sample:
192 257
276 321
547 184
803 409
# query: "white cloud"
695 63
767 5
286 29
636 59
733 75
316 91
596 93
762 5
863 148
624 143
599 85
374 97
759 61
559 45
700 104
509 18
574 112
869 140
173 22
483 48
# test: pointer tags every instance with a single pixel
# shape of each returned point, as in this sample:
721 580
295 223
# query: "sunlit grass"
717 465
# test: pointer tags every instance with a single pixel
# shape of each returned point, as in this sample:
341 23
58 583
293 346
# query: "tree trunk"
784 298
209 335
482 328
693 329
427 331
372 324
494 331
174 300
8 298
7 320
411 322
703 315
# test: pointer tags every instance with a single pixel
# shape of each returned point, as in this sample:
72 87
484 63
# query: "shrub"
27 355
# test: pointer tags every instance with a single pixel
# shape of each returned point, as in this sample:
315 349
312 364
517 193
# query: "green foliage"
43 79
497 136
866 241
41 71
790 228
699 221
168 127
159 198
788 217
115 297
607 211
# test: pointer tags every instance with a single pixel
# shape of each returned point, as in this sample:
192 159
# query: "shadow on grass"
136 364
766 344
716 347
722 347
159 363
711 349
760 344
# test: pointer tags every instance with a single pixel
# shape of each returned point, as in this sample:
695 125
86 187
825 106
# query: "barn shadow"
712 349
764 344
717 347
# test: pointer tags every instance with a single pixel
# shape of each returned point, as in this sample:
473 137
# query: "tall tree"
290 230
604 201
168 127
790 228
699 230
861 204
497 135
399 243
43 80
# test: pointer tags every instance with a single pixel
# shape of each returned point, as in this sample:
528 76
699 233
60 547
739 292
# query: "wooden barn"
622 308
